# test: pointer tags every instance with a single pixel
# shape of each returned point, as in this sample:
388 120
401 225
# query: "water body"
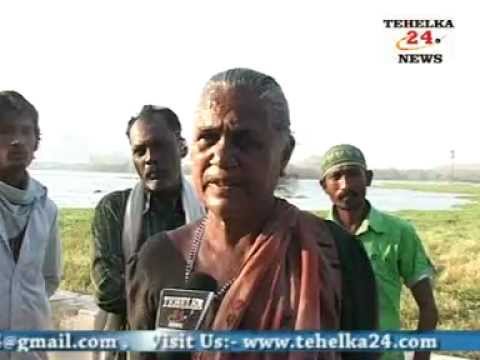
82 189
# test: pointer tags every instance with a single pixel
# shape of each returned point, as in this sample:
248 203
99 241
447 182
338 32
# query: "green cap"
341 155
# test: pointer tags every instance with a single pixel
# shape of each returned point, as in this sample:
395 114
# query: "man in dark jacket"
123 220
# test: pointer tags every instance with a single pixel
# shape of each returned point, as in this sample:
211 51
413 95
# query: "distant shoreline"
470 175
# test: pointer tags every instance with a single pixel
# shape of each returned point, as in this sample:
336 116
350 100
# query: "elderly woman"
277 267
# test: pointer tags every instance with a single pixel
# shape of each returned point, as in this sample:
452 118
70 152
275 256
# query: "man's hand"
428 314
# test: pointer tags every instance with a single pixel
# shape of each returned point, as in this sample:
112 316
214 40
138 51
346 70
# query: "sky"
88 66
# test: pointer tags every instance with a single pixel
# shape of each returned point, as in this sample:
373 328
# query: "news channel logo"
420 41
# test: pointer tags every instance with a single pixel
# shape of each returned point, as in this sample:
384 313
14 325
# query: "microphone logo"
187 309
182 302
184 309
177 318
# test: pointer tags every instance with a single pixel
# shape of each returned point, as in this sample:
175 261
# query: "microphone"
186 309
190 308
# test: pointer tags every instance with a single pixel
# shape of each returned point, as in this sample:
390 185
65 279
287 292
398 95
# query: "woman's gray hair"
264 87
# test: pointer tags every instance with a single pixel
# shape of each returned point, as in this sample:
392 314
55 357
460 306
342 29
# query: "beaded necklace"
193 255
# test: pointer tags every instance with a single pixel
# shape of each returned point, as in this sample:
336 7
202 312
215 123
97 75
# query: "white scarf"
16 204
135 207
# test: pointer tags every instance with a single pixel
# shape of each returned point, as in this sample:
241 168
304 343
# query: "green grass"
453 240
76 240
452 237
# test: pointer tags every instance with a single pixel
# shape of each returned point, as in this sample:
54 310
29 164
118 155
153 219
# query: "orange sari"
284 284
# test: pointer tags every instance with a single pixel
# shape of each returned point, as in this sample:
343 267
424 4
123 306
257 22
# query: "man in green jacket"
392 244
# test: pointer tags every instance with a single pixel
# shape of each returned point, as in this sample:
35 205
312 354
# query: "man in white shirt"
30 249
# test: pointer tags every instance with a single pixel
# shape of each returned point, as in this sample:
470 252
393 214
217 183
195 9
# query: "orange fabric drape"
284 284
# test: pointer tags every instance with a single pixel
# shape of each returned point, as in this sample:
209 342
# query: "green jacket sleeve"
414 263
108 268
